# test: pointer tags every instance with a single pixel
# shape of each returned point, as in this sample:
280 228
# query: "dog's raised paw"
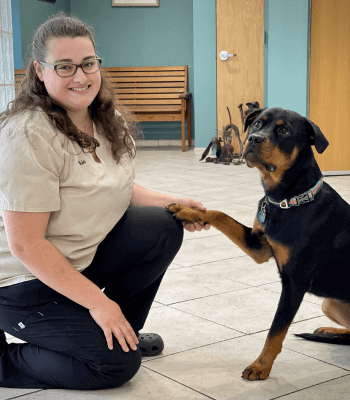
184 213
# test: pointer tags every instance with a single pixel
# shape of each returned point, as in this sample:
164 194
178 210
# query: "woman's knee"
116 371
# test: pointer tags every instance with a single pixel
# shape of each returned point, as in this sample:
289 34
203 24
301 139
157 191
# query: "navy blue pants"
66 349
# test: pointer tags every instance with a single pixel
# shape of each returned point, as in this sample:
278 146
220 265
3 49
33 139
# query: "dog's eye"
284 130
257 124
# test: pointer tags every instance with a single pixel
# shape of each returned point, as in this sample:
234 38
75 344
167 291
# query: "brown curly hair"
102 110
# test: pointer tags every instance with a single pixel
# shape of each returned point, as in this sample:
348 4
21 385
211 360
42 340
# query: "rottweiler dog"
301 221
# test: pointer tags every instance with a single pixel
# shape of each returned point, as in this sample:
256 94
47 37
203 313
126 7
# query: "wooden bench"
19 75
151 93
154 94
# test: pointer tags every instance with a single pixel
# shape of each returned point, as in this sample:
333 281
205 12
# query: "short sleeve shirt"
44 171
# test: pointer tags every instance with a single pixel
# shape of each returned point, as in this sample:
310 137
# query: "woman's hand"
192 226
110 318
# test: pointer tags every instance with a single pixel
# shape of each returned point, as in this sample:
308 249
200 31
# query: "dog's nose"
256 139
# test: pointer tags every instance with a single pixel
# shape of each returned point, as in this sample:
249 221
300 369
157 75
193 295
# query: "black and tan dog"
301 221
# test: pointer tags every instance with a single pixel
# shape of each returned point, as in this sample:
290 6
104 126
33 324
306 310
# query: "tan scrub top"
85 198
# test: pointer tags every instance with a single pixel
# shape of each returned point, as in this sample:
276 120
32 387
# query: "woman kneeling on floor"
75 222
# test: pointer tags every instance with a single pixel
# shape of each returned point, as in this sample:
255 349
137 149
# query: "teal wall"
287 54
16 34
204 55
32 14
143 36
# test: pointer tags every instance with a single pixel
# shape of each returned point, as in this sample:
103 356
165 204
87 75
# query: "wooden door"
329 80
240 79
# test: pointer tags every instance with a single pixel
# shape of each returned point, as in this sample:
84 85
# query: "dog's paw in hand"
256 371
186 214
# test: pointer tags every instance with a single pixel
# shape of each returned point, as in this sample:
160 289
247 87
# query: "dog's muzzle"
255 140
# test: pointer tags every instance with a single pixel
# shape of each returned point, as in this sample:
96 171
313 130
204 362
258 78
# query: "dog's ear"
251 117
316 137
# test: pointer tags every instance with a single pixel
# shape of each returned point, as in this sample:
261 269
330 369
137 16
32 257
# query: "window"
7 84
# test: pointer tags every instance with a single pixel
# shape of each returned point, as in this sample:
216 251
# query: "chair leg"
183 125
189 125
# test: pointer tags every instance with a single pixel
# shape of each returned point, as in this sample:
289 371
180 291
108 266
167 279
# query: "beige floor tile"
245 270
149 179
337 388
152 169
252 200
201 234
277 288
232 180
247 310
181 331
337 182
187 174
156 305
227 206
338 355
246 218
146 385
228 192
347 199
194 282
201 251
7 394
201 199
187 186
175 266
343 192
215 370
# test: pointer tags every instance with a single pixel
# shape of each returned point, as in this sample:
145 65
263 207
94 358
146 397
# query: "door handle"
224 55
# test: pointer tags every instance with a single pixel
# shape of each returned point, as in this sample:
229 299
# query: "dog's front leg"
291 298
251 240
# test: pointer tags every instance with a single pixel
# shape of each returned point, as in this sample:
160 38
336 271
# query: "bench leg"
189 124
183 124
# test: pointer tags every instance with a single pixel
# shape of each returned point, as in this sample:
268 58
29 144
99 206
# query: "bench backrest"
142 86
148 86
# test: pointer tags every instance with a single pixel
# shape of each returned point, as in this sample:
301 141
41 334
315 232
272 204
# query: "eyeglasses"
67 70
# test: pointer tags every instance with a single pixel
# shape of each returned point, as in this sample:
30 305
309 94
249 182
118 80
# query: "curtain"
7 84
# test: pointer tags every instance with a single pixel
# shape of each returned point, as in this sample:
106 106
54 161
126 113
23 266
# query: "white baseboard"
200 150
331 173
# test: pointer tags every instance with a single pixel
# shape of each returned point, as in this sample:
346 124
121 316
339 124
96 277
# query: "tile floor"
215 305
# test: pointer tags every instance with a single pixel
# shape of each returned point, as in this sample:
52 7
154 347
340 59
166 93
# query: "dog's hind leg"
338 312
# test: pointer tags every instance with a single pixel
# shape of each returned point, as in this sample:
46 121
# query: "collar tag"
284 204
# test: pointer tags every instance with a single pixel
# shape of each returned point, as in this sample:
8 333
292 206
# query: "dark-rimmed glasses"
68 69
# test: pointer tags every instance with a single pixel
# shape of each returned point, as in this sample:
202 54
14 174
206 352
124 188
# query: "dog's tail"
206 152
326 337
